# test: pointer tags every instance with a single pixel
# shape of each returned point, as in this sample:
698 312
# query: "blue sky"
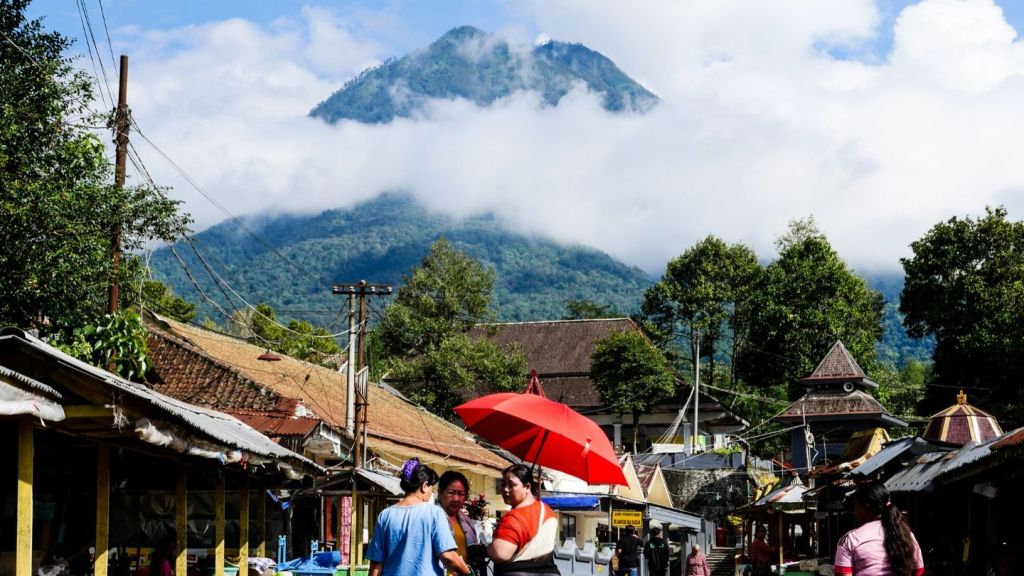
879 119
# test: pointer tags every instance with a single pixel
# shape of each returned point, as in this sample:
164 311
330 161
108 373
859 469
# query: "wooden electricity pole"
121 123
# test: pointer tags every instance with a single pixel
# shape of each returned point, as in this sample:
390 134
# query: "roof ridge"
564 321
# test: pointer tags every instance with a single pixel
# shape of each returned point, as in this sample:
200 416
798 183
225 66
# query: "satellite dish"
848 386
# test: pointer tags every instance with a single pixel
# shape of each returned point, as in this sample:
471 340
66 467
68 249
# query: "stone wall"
711 493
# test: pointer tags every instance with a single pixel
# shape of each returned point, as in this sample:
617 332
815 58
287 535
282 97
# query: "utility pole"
357 395
696 396
359 290
121 116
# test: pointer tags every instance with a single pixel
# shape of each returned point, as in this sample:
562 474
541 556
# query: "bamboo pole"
102 510
26 457
243 529
781 540
218 538
181 519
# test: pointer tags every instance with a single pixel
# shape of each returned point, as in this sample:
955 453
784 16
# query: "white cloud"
758 125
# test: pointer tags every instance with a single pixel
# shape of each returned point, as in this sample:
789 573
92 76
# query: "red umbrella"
544 432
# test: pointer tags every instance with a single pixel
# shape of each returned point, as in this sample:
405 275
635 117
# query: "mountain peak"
469 63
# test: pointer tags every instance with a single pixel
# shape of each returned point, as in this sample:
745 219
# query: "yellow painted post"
243 529
181 519
218 538
261 524
26 457
102 510
781 541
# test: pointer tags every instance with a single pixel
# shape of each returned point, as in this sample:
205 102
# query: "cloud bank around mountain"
765 118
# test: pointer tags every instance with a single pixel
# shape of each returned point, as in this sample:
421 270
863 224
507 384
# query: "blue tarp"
321 562
571 502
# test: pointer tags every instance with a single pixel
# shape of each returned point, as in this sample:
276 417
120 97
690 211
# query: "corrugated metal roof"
30 382
217 426
887 454
927 470
278 425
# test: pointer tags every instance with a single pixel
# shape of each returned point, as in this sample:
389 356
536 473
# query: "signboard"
623 518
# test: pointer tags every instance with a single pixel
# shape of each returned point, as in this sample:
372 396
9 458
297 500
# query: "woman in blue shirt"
413 537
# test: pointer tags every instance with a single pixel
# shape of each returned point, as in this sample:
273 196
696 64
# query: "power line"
237 221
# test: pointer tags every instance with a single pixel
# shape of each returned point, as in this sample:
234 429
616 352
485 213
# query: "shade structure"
546 433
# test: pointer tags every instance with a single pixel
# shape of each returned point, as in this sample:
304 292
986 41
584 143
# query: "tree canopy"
965 285
806 300
424 336
631 374
57 203
699 299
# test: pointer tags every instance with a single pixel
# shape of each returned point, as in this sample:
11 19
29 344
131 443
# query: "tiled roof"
556 347
393 423
188 374
838 366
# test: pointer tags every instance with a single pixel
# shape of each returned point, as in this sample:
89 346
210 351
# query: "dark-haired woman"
524 541
453 488
412 537
883 545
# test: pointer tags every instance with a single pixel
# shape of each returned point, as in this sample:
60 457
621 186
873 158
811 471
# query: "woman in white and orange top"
524 541
883 545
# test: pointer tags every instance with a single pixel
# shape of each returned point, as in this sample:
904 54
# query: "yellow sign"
623 518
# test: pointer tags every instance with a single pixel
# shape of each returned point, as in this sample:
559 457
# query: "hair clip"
409 468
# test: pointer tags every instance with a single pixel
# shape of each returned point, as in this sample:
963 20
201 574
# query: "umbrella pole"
539 449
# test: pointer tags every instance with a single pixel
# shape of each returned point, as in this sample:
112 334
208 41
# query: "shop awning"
573 502
673 516
390 483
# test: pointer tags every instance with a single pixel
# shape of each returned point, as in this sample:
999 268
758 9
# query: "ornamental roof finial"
961 398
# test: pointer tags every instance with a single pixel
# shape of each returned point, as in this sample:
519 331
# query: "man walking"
627 549
656 552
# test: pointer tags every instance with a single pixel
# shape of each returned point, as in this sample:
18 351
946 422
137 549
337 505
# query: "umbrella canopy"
544 432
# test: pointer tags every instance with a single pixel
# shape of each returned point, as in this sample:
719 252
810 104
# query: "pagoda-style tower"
961 423
836 405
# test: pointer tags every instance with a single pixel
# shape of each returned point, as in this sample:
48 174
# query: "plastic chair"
585 556
565 556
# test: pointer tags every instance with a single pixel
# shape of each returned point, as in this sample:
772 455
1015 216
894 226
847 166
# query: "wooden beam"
261 523
87 411
243 528
102 510
218 538
181 519
26 457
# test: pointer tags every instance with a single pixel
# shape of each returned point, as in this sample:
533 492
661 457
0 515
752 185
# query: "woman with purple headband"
413 537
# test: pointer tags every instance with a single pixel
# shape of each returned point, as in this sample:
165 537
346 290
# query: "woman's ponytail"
899 541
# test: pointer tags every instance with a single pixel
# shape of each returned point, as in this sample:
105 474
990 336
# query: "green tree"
116 342
57 204
423 338
901 391
806 300
965 286
163 300
699 300
631 374
299 339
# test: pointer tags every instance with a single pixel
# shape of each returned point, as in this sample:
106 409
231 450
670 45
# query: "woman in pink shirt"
883 545
696 563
